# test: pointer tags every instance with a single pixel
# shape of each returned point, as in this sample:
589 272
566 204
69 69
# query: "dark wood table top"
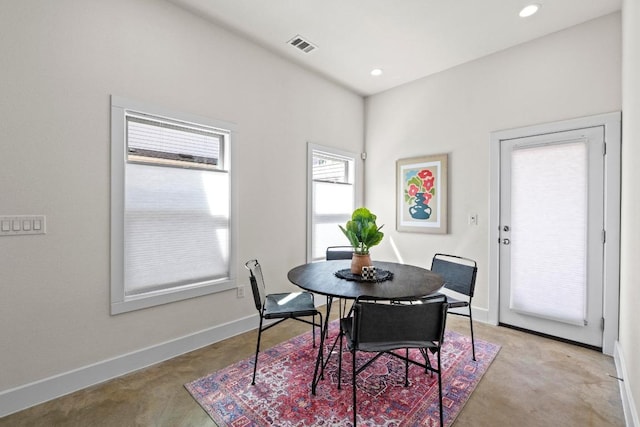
407 281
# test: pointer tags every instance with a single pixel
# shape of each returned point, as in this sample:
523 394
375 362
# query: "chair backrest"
459 273
257 283
339 252
381 327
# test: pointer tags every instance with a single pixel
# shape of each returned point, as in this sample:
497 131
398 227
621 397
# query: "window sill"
155 298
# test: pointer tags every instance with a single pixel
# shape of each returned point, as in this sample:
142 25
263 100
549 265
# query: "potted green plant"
363 233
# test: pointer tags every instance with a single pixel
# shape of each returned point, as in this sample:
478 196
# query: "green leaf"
362 230
415 181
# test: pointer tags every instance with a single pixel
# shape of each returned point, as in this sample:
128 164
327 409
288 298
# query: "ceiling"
407 39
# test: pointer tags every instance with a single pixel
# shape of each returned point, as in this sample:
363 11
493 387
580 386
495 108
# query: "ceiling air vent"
300 43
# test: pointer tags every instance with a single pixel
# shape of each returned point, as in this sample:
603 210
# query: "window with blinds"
175 210
328 168
332 198
162 142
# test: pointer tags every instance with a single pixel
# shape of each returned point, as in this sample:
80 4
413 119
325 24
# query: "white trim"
25 396
357 183
611 123
120 302
131 303
480 314
494 219
631 417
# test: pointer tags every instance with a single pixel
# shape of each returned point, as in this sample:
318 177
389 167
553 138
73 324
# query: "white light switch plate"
15 225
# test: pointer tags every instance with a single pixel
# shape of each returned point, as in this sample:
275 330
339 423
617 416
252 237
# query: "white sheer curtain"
549 231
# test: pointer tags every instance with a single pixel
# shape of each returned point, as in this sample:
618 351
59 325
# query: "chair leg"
440 390
473 344
427 362
353 384
339 361
255 362
406 368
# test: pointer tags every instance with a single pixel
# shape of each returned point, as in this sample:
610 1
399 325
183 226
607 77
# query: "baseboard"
628 405
25 396
480 314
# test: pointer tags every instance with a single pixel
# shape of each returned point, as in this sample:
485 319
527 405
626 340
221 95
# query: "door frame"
612 136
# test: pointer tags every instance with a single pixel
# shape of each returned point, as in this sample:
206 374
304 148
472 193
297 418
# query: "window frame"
120 301
357 185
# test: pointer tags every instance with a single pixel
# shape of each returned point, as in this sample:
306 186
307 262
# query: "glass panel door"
551 222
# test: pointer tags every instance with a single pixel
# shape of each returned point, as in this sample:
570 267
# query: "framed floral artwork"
421 194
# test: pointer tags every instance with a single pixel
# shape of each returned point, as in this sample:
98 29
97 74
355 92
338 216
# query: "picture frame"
421 194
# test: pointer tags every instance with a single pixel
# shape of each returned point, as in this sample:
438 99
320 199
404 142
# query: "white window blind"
549 231
176 227
333 199
176 218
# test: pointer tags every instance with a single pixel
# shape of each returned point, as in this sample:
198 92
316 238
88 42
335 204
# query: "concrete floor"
533 381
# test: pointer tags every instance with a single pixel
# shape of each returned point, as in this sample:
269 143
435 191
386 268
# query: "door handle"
506 241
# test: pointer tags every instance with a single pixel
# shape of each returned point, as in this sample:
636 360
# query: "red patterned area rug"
282 394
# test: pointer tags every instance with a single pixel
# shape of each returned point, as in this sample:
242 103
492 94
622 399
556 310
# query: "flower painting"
419 191
421 194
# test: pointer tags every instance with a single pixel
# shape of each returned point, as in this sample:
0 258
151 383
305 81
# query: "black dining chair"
380 328
337 253
459 275
281 306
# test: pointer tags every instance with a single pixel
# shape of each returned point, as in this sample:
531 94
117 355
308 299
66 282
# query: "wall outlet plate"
240 291
15 225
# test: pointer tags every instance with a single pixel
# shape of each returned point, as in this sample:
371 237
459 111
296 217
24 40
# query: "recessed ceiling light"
376 72
529 10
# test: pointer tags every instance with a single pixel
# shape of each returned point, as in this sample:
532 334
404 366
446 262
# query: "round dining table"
406 280
402 281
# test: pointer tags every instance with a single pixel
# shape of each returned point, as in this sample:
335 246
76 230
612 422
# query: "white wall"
60 62
572 73
630 235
